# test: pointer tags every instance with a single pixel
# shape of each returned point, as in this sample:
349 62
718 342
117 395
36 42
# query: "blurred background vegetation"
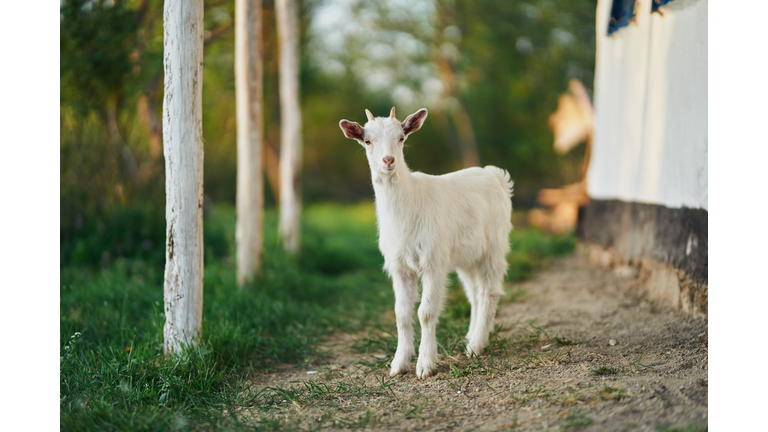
489 72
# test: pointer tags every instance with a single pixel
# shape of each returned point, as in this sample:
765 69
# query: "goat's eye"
402 139
367 141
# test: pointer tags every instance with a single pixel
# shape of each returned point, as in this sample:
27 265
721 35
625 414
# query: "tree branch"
215 33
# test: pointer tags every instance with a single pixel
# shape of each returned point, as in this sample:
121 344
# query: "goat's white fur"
430 226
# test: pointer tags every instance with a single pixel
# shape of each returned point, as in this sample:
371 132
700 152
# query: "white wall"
650 141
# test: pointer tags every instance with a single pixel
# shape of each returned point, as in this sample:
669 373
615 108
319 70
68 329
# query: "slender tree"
287 14
183 149
250 132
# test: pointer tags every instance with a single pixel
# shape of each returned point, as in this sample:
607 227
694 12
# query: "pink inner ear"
352 130
413 122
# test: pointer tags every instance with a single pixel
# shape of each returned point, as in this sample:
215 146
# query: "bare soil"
633 365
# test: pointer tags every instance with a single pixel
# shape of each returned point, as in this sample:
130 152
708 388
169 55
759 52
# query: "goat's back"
462 217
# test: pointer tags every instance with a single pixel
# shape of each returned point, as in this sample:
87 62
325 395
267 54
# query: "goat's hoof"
473 352
396 372
425 369
398 367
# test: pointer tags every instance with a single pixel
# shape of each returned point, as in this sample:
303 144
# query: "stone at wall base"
660 282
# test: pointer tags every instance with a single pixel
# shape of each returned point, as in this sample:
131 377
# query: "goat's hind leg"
469 282
489 290
405 284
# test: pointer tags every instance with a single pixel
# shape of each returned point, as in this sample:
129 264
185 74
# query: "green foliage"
137 232
96 45
112 62
516 59
114 366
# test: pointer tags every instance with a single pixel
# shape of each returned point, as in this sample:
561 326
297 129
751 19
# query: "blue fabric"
656 3
622 12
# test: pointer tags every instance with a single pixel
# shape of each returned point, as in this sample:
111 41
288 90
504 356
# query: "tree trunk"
272 163
459 116
290 118
117 141
470 157
250 133
183 149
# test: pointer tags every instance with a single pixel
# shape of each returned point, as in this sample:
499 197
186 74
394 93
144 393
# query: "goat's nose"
389 160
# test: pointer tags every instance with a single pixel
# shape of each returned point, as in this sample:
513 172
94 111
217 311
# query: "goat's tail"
504 178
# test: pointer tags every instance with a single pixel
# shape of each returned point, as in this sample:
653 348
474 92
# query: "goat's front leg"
432 296
406 292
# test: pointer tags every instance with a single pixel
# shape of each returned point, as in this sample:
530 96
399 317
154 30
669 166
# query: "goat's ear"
413 122
352 130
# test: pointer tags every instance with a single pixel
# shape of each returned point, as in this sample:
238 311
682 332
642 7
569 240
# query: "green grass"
575 421
605 370
693 427
113 375
612 393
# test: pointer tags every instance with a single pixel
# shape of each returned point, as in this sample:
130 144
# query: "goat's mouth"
388 168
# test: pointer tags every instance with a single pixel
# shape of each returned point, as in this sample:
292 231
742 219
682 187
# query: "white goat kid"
430 226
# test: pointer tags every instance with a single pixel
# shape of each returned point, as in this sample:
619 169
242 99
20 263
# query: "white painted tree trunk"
183 149
287 14
250 185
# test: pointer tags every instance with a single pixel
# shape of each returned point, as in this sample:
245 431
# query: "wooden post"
250 133
183 150
287 14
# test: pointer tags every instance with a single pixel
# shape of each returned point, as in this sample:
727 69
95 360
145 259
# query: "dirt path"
632 366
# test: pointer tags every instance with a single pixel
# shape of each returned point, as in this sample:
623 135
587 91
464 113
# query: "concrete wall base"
660 282
667 247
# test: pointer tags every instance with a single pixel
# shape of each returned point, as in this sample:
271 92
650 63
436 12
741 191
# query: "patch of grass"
414 411
611 393
693 427
568 401
531 337
527 396
565 341
575 420
374 365
605 370
462 371
378 340
310 392
357 424
114 370
537 360
532 248
637 363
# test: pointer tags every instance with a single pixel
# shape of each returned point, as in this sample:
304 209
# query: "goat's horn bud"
392 113
369 115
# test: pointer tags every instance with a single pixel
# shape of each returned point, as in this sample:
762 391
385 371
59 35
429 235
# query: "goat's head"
383 138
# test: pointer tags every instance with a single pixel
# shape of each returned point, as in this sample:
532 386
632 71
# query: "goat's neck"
392 191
